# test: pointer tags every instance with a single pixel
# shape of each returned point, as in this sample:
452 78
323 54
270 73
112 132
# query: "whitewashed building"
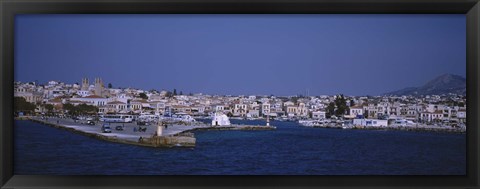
220 119
92 99
319 115
355 111
435 116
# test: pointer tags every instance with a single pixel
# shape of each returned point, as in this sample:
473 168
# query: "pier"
171 135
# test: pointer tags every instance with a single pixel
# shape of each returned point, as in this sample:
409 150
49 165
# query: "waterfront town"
57 98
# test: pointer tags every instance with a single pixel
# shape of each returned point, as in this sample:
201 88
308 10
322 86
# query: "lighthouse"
268 119
160 128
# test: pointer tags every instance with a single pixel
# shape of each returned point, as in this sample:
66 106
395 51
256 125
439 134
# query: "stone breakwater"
173 136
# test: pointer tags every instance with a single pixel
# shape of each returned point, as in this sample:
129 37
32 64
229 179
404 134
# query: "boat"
312 123
178 117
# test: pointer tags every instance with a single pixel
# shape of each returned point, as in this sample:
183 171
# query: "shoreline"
183 136
400 128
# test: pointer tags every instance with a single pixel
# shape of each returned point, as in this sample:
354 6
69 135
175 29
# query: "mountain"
444 84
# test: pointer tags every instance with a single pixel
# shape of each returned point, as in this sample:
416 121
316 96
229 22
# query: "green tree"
110 85
69 108
143 95
169 94
331 109
86 109
352 103
21 105
294 99
81 109
174 92
181 93
49 108
341 105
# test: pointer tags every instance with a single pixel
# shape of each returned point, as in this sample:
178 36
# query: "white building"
220 119
435 116
83 93
240 110
92 99
302 110
253 114
265 108
219 108
116 107
318 115
462 115
355 111
32 97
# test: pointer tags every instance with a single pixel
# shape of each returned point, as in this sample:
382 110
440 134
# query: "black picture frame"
9 8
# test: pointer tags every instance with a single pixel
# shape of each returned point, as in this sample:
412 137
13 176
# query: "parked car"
90 122
119 128
106 128
142 123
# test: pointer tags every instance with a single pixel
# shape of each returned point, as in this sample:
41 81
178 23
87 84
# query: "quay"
171 136
414 128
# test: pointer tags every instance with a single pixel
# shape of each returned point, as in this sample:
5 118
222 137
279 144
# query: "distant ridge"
444 84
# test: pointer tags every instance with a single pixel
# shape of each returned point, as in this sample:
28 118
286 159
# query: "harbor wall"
169 141
162 141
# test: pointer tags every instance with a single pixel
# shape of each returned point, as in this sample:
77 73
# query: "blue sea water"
289 150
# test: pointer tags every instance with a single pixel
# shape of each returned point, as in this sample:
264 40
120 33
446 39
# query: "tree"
110 85
331 108
352 103
181 93
294 99
21 105
169 94
86 109
341 105
49 108
174 92
81 109
70 108
143 95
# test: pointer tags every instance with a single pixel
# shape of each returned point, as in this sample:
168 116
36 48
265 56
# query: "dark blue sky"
242 54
